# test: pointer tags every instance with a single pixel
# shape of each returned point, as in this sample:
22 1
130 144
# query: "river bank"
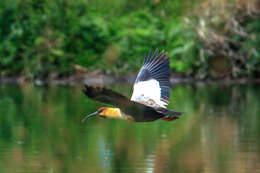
102 79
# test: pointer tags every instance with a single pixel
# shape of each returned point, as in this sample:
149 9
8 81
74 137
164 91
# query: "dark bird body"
151 94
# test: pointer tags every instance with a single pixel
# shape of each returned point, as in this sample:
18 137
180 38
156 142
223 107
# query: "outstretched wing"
107 96
139 112
153 80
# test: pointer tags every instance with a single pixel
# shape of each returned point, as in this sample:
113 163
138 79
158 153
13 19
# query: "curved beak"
88 116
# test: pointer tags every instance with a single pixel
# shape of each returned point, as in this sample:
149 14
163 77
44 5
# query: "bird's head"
106 112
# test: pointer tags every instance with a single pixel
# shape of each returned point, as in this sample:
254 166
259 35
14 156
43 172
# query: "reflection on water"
40 131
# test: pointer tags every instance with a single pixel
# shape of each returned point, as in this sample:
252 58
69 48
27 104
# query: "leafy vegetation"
43 39
229 33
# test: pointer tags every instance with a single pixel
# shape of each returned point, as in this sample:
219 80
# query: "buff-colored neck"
115 113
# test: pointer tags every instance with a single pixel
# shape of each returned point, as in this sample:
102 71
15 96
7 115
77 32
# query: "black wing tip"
157 66
91 91
87 90
153 56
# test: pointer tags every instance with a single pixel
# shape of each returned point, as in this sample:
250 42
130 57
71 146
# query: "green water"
40 131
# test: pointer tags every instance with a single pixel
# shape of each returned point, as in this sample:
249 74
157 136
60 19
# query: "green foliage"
182 46
252 48
46 37
135 35
42 39
229 33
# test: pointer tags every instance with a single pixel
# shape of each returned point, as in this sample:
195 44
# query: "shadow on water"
40 131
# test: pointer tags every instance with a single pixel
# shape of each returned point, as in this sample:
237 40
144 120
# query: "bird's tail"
170 115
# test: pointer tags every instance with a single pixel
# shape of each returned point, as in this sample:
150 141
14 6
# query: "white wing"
152 82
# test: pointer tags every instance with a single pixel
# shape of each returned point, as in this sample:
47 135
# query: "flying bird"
151 93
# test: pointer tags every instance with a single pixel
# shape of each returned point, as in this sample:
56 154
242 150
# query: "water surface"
40 131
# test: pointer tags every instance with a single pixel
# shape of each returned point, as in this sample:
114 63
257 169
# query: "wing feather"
152 81
140 112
